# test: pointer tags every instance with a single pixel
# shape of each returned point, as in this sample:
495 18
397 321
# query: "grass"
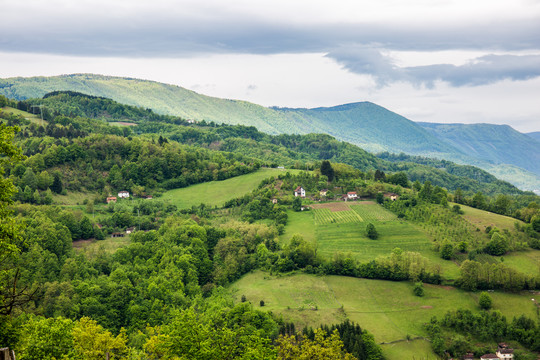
36 119
527 262
483 219
349 237
91 248
216 193
387 309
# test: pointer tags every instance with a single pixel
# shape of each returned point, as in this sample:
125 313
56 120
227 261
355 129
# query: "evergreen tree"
57 184
326 169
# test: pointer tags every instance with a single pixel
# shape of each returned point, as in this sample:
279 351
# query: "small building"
300 192
489 357
117 234
391 196
323 192
274 201
129 230
468 356
147 197
281 167
111 198
504 351
123 194
351 195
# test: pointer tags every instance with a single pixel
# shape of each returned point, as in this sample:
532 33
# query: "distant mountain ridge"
365 124
494 143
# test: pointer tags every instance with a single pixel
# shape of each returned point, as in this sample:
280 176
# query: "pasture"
216 193
483 219
340 227
387 309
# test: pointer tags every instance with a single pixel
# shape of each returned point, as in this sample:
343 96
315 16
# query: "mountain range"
499 149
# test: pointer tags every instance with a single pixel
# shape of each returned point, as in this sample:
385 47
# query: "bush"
485 301
418 289
371 232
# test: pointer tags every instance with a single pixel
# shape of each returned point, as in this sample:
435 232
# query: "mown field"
482 218
340 227
218 192
387 309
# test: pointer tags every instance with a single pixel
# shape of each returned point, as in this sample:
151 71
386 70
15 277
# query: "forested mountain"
72 108
365 124
88 275
535 135
494 143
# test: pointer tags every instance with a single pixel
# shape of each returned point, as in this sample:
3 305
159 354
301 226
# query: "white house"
123 194
300 192
351 195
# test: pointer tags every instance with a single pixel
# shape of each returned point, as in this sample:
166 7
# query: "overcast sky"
429 60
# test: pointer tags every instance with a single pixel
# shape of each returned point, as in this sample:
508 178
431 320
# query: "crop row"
373 213
325 216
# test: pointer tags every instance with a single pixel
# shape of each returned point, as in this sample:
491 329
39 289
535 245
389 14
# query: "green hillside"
365 124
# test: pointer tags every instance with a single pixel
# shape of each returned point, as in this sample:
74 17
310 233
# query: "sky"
442 61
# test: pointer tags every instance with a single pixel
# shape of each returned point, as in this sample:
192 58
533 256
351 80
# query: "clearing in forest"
343 213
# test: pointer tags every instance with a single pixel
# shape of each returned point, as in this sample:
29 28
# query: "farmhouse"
117 234
351 195
111 198
123 194
391 196
504 351
489 357
300 192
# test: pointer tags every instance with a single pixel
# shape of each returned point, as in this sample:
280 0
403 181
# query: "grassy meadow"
340 227
387 309
483 219
216 193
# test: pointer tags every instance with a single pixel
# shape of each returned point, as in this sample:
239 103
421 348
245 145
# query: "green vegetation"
204 211
389 310
364 124
216 193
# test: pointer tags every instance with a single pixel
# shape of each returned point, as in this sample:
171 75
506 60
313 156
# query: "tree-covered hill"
72 115
365 124
494 143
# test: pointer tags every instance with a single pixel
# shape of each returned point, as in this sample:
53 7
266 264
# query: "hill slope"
368 125
495 143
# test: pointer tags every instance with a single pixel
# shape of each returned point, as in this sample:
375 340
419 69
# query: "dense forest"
164 292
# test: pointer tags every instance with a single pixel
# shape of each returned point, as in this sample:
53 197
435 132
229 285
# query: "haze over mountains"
501 150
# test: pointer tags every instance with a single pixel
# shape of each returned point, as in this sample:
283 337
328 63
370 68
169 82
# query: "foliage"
484 301
371 232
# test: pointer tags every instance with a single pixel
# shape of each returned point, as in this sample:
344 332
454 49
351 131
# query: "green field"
482 218
326 216
335 235
92 248
387 309
216 193
36 119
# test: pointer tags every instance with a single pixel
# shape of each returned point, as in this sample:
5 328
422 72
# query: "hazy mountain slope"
499 144
535 135
377 129
365 124
368 125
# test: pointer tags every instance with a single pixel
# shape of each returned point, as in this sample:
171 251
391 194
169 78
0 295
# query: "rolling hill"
365 124
494 143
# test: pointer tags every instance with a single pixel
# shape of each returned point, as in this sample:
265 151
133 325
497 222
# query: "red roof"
298 189
351 193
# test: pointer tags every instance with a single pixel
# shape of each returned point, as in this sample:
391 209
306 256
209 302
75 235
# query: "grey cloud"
483 70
